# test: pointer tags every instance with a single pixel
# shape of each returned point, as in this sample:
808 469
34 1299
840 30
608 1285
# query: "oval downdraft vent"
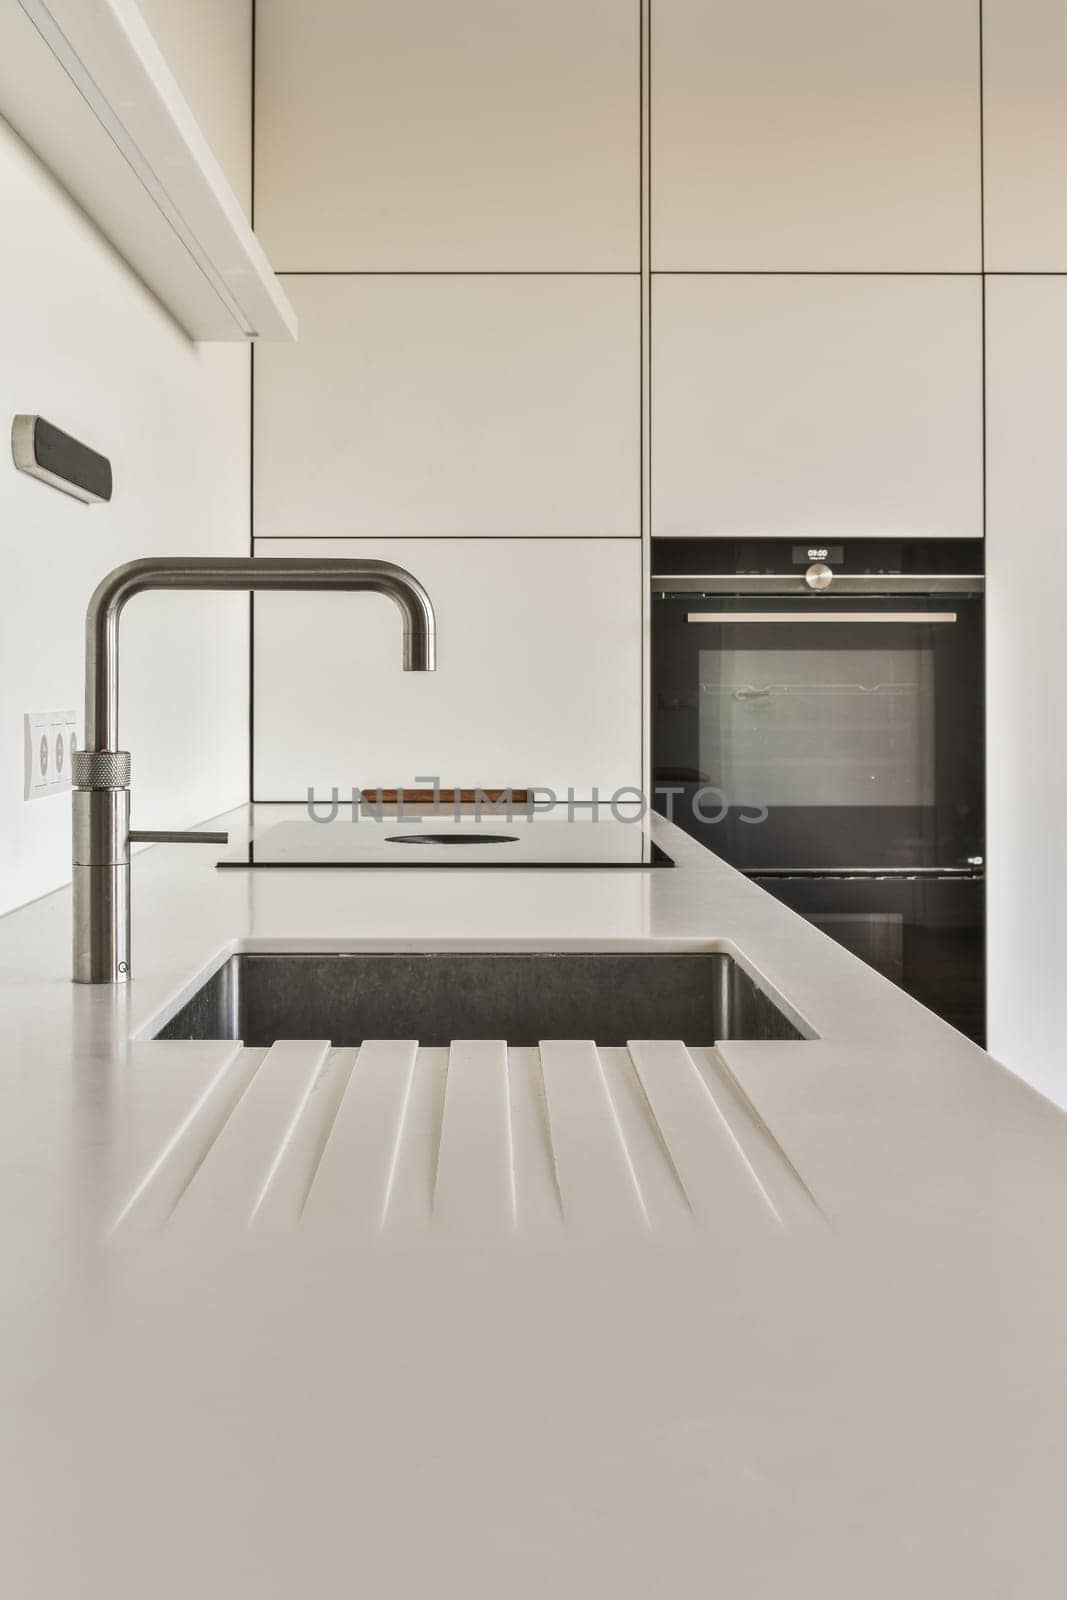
453 838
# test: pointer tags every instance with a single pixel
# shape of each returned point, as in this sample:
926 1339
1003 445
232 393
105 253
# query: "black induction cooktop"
489 843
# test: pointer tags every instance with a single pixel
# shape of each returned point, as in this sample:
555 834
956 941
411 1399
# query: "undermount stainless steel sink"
523 998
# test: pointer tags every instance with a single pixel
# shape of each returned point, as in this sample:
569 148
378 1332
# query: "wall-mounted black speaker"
46 452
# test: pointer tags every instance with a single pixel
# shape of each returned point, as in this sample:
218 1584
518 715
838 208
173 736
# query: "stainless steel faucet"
101 771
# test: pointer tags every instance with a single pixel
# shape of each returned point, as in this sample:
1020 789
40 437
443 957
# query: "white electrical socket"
51 740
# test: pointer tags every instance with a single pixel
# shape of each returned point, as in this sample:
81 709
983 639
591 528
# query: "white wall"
86 346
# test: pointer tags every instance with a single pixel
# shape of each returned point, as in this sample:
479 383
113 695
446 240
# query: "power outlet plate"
51 739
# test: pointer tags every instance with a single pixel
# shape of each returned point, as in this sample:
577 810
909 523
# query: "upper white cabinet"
538 677
816 135
420 135
817 407
455 404
208 46
1025 104
89 90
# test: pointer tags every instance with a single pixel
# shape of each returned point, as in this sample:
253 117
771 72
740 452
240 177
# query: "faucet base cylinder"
101 827
101 885
102 923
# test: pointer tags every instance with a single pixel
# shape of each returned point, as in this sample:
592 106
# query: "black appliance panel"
825 731
927 935
818 721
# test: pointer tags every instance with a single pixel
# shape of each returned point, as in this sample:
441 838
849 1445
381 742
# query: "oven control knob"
818 576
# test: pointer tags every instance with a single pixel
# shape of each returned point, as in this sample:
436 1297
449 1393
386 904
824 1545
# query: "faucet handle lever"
169 836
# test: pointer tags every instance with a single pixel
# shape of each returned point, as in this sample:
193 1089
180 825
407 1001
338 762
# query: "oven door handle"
974 874
826 616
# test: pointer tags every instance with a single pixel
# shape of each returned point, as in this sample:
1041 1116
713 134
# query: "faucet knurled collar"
101 769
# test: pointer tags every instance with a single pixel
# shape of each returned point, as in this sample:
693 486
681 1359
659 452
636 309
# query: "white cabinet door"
538 675
1025 118
815 135
457 405
816 407
1027 667
422 135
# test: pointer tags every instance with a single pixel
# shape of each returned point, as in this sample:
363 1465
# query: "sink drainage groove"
397 1145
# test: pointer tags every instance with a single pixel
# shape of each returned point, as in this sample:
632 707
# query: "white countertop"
771 1318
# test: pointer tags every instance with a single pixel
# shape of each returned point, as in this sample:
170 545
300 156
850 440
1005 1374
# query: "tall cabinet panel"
538 679
1025 103
816 407
816 344
448 135
453 192
815 135
496 405
1027 671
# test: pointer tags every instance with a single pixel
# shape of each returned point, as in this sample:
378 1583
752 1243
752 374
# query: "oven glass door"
822 733
925 934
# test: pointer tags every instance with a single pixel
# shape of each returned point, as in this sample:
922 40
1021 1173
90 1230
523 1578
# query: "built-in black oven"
818 721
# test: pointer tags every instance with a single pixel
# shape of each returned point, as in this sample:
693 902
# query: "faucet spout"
102 770
251 573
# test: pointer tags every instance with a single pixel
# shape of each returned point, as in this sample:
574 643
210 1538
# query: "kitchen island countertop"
781 1316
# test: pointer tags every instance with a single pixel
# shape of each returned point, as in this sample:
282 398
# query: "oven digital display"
805 554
